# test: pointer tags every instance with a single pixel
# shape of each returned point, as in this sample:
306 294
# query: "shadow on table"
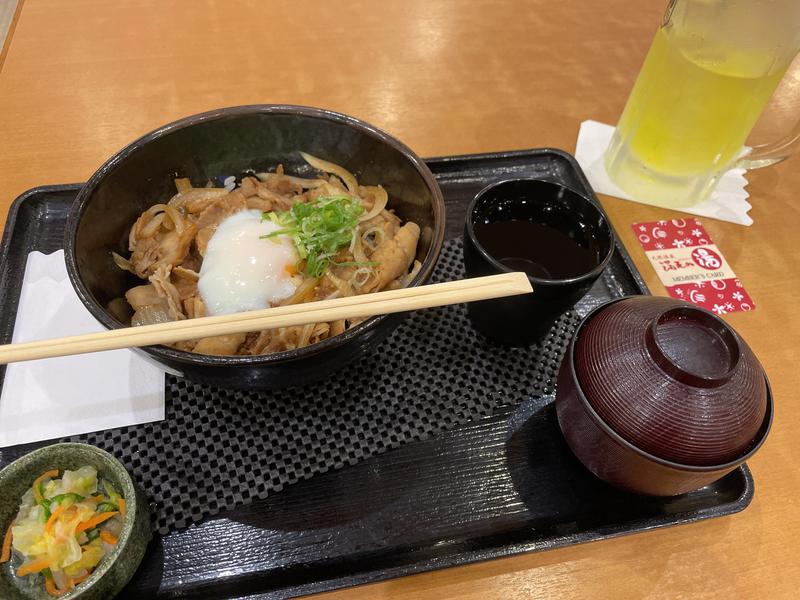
335 498
563 498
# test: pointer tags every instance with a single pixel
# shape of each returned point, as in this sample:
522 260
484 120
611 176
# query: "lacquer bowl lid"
672 379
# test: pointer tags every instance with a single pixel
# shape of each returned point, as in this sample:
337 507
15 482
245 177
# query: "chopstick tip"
521 281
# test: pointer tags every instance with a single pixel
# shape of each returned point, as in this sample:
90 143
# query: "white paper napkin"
728 201
58 397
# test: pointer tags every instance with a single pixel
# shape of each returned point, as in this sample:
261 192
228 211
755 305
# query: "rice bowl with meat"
272 240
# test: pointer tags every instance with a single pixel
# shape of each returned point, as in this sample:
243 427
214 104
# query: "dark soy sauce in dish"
539 250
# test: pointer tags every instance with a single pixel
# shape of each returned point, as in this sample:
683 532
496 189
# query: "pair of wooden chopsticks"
367 305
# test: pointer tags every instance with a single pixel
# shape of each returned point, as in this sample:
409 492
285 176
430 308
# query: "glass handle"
769 154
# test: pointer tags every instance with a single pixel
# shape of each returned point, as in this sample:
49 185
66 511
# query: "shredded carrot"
108 537
36 493
33 567
5 555
48 527
51 588
77 580
122 507
94 521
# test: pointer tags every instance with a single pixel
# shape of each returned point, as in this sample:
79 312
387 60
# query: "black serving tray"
495 487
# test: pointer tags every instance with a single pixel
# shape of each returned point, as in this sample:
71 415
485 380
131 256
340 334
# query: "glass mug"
711 69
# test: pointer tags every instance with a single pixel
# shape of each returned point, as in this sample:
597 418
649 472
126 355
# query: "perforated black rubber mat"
218 449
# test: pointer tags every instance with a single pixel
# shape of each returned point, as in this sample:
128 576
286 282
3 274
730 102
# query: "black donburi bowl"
230 141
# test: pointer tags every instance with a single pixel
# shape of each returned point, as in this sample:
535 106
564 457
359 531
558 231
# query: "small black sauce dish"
559 238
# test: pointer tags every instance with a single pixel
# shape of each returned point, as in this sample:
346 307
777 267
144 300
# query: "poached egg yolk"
241 271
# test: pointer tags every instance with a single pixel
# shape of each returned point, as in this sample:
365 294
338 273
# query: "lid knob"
693 347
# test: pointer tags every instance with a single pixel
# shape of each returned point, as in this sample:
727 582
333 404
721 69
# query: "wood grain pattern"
82 78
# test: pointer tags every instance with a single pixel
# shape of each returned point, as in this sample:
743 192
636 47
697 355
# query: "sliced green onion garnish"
319 230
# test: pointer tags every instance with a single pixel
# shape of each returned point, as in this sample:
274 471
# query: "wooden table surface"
82 78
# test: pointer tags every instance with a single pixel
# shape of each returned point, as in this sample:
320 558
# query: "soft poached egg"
241 271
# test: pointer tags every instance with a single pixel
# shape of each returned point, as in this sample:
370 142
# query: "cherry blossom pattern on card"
691 266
